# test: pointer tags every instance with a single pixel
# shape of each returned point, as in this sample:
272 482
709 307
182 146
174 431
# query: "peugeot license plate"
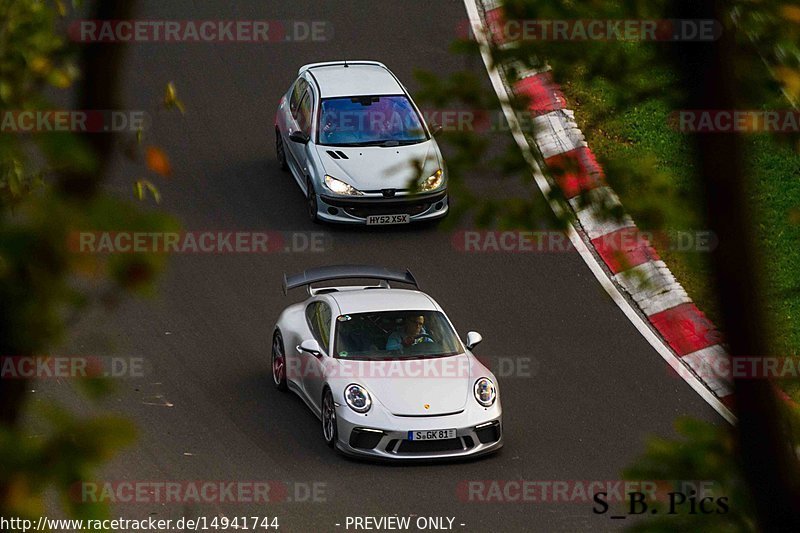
383 220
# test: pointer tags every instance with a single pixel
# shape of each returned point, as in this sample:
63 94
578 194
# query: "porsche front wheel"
330 431
278 362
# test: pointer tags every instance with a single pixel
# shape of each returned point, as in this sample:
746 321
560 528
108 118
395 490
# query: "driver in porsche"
412 332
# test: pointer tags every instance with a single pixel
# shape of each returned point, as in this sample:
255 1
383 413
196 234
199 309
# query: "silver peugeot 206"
383 368
358 146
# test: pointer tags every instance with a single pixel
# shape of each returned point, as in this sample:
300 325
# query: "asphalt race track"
207 410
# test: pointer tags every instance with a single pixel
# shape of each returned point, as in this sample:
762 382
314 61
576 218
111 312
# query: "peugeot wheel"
280 150
311 202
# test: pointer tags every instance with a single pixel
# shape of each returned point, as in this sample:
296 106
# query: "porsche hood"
414 387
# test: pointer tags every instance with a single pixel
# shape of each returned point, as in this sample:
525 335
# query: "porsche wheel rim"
278 361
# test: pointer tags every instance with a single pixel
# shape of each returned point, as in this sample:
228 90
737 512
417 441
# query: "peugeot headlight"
357 398
433 182
340 187
485 392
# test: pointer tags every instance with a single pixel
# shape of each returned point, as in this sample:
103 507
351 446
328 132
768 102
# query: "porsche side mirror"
473 339
299 137
436 129
310 346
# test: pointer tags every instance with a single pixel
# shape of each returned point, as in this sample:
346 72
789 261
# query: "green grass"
776 195
664 195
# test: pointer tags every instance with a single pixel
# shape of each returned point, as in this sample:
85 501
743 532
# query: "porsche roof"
359 79
379 299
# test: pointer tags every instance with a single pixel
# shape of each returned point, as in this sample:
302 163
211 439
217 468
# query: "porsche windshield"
369 121
395 335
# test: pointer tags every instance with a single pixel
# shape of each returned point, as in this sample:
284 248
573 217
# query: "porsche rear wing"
328 273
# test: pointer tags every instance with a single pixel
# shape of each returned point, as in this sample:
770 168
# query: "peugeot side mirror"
473 339
299 137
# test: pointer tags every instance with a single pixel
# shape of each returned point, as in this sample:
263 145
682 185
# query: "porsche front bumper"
478 432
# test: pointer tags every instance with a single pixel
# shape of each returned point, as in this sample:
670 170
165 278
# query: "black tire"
330 428
280 150
311 202
278 360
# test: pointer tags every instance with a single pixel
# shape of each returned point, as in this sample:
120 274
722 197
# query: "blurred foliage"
772 27
482 167
171 98
45 284
70 452
601 78
706 452
32 58
157 161
612 75
609 82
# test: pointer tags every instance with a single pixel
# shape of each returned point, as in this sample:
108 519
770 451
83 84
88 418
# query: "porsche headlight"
485 392
357 398
432 183
340 187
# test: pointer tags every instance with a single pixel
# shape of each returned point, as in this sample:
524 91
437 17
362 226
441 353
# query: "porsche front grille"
430 446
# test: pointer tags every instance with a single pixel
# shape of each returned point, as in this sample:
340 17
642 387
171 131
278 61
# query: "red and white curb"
622 260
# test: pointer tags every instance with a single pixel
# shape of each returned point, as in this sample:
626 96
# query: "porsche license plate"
383 220
432 434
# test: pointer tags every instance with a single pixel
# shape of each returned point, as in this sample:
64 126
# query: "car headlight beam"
485 392
357 398
433 182
340 187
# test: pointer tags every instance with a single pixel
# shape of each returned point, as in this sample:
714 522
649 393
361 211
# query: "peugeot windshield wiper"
384 144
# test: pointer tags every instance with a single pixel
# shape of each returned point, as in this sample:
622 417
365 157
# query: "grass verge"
667 196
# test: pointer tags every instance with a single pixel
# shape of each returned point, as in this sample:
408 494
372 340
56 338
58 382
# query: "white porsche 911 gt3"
384 369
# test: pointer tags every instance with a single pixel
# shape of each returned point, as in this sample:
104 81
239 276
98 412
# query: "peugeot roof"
353 78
